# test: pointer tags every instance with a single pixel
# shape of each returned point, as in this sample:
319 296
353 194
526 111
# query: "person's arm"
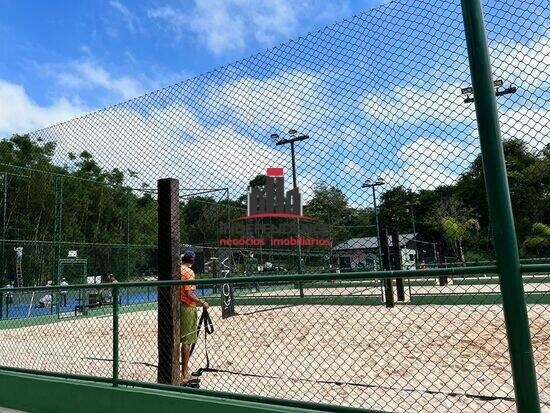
193 297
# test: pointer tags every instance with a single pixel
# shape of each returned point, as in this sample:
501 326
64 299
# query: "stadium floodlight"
497 84
371 184
291 139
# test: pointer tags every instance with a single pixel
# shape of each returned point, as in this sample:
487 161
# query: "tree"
330 207
456 223
329 204
258 181
456 230
394 209
538 241
200 217
521 166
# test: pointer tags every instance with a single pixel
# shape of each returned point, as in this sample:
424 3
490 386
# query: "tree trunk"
460 252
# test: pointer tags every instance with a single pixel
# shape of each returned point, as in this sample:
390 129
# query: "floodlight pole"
500 211
293 155
292 140
3 269
373 185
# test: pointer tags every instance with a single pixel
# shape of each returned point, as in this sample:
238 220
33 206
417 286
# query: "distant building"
363 252
272 198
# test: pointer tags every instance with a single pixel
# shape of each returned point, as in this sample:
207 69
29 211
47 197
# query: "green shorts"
188 324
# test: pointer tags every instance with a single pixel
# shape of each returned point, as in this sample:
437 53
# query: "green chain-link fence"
345 153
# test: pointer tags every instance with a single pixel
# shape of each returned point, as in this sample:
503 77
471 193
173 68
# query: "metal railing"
465 377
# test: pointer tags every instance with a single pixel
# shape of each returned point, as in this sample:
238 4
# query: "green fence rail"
402 268
131 352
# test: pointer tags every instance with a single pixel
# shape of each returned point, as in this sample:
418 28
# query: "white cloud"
427 163
226 25
130 19
87 74
350 167
19 113
183 148
284 101
407 105
349 136
522 65
530 125
215 27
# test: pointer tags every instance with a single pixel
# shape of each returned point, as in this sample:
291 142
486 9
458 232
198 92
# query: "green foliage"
395 209
94 206
329 204
258 181
456 230
538 241
199 217
99 211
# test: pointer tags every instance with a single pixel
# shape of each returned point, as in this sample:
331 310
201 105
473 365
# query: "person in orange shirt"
188 317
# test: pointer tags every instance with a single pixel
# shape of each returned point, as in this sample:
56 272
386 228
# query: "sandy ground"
405 359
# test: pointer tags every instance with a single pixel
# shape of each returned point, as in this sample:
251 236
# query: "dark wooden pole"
168 269
388 288
398 265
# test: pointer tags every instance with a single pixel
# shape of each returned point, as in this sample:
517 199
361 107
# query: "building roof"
369 243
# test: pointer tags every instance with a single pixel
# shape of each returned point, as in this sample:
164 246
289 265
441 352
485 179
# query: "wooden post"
169 262
398 265
388 288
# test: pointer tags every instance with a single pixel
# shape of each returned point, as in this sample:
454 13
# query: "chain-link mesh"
373 125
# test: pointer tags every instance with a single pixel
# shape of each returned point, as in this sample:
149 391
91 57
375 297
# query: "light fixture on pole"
498 92
292 139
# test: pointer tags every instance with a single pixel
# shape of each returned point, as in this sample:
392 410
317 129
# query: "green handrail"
367 275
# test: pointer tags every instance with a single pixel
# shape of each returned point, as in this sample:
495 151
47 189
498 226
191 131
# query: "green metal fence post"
3 274
500 211
115 335
128 234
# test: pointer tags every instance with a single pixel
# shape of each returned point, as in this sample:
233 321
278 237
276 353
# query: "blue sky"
378 92
95 53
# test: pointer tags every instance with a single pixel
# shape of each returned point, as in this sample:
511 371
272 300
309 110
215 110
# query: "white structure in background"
408 259
358 252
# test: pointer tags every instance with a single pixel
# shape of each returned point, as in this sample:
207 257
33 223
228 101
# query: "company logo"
271 201
289 226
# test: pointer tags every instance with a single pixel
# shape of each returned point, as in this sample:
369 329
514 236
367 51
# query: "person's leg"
185 354
188 335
